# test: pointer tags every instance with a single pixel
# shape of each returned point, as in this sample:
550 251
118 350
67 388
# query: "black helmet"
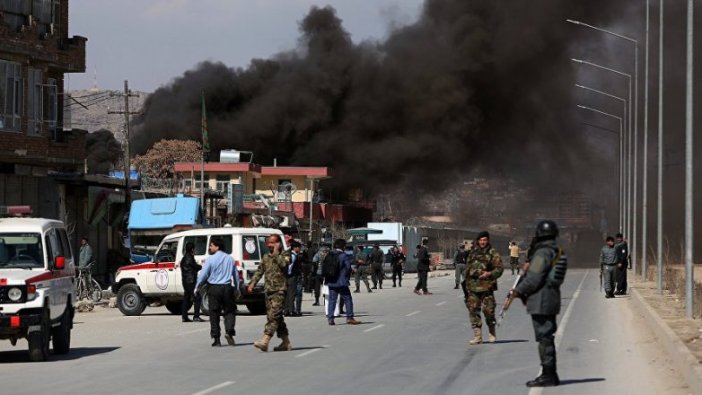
546 230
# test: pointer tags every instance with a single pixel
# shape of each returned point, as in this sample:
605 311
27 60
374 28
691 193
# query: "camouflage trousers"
477 301
274 314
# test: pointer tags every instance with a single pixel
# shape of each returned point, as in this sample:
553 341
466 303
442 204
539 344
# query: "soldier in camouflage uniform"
273 266
483 268
361 261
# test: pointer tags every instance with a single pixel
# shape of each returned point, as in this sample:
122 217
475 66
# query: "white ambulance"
140 285
36 285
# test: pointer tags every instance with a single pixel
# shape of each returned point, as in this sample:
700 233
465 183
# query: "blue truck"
150 220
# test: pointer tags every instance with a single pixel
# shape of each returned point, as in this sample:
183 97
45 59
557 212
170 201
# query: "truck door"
161 278
250 254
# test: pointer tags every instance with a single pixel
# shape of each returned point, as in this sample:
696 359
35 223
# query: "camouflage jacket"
273 266
480 261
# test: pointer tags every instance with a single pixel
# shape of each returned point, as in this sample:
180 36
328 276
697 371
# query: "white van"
36 285
137 286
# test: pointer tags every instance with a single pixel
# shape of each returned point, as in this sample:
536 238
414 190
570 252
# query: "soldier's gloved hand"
249 289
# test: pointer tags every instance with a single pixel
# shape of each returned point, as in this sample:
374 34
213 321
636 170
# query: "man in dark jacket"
339 286
540 288
423 260
188 270
293 274
621 249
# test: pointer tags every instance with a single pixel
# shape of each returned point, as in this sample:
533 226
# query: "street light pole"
644 192
659 203
621 142
627 205
632 212
621 152
689 268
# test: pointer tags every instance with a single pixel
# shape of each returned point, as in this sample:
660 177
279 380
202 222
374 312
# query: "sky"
150 42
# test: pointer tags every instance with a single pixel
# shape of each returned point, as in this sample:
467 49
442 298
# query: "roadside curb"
683 359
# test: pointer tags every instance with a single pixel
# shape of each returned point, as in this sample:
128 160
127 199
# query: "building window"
51 108
10 95
34 103
198 183
223 182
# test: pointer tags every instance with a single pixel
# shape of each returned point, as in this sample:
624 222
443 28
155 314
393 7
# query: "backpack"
331 267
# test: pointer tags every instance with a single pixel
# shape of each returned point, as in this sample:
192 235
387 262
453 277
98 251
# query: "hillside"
88 109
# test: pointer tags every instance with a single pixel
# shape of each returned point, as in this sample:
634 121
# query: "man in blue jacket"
339 286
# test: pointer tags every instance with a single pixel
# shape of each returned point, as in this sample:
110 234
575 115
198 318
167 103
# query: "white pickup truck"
36 285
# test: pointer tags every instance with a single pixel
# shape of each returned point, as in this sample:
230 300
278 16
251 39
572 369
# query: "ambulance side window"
64 243
200 243
226 240
251 249
167 252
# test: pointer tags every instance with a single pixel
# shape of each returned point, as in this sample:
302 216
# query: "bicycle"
86 286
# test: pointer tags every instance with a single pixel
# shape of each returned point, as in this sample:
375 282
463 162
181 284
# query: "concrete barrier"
686 363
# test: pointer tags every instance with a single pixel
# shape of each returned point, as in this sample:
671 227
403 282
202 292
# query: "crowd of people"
289 273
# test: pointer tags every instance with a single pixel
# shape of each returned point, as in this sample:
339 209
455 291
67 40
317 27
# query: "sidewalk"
681 338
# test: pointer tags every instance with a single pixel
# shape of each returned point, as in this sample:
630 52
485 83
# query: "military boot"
548 378
284 345
262 344
493 336
478 338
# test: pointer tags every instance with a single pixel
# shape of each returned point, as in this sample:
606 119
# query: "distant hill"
88 109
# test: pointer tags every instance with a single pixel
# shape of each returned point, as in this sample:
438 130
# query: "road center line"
310 351
214 388
374 328
413 313
562 326
441 303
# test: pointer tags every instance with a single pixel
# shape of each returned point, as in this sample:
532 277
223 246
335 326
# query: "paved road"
408 344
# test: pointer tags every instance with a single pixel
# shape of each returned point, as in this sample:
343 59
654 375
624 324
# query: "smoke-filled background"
103 151
477 84
473 87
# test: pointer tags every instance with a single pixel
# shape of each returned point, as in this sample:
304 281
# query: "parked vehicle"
139 285
36 285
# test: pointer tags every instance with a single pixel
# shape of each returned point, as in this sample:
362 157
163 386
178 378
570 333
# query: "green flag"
205 137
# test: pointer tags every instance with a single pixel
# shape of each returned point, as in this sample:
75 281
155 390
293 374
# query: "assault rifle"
508 301
601 281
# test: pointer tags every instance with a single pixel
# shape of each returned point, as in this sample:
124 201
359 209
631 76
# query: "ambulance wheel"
130 301
39 340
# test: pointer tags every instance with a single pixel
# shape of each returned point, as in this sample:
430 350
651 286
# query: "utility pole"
127 94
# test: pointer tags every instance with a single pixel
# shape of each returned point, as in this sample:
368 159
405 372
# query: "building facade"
35 54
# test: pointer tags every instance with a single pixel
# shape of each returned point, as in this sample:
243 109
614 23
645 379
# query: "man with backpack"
336 269
540 290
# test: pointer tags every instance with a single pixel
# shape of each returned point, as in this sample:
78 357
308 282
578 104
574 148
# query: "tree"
103 151
159 160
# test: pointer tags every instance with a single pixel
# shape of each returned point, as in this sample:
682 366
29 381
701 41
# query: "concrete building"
253 193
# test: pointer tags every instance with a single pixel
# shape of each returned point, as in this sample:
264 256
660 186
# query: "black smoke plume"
472 85
103 151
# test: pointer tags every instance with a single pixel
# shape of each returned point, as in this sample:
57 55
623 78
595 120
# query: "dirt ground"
671 308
